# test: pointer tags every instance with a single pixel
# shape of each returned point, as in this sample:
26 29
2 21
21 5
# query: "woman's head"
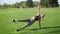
43 15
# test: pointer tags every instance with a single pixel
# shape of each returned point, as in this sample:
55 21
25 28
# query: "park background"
23 9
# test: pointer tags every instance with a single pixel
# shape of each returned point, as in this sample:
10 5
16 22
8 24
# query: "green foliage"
49 3
29 3
16 5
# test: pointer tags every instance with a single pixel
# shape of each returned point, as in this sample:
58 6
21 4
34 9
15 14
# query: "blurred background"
28 3
23 9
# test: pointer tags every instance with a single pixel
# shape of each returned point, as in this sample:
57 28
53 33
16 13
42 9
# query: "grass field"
50 24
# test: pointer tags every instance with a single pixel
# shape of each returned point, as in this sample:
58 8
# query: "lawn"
50 23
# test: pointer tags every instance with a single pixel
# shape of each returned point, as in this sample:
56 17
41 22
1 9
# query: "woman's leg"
26 20
26 25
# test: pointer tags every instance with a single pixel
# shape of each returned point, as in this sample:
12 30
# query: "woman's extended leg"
26 25
26 20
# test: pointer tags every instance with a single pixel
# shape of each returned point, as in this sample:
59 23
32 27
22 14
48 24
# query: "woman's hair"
43 15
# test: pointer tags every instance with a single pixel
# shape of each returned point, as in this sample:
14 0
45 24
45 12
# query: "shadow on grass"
44 28
56 31
33 30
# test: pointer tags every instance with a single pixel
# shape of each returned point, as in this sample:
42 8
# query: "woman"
31 20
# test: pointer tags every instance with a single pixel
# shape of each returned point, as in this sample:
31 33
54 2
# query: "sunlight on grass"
50 24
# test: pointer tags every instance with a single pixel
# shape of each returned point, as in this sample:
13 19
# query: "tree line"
30 3
49 3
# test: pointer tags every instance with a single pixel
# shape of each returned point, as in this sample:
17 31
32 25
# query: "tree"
54 3
42 3
23 4
29 3
5 5
0 6
49 3
17 5
35 3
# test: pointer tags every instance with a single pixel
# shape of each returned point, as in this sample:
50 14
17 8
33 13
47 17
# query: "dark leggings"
30 22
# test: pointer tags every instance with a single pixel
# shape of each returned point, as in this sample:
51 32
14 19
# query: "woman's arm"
38 8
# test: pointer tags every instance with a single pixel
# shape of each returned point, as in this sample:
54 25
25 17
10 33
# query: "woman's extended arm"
38 8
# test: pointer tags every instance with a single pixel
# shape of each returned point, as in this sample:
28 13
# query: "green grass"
50 24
